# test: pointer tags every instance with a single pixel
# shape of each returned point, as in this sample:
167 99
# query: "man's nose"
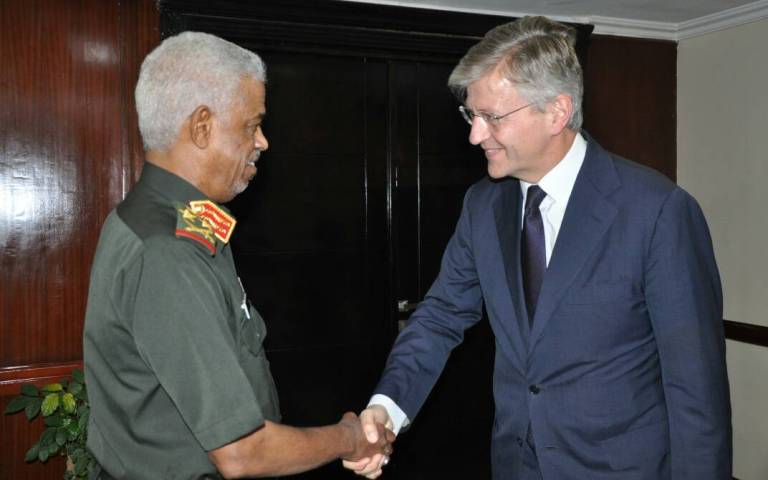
261 141
479 131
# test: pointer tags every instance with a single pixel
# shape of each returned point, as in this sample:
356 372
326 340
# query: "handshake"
374 447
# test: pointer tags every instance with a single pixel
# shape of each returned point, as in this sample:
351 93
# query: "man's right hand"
363 447
373 419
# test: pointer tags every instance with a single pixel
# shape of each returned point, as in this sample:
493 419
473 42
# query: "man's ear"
560 108
201 126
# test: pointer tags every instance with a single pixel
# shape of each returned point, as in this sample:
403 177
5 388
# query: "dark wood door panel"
310 300
630 96
302 202
317 385
309 245
315 103
442 130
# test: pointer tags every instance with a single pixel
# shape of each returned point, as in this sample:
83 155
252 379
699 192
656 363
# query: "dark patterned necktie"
533 252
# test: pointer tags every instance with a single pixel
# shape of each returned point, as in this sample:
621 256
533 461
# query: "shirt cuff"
398 417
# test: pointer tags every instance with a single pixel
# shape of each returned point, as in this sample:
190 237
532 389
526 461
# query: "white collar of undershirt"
558 182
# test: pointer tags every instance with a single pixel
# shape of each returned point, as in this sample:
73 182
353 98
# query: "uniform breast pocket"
618 292
253 360
252 333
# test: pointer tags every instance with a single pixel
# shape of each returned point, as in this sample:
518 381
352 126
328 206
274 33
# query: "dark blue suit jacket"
623 374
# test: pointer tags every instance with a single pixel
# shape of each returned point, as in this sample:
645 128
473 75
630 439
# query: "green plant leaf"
54 421
32 453
18 404
73 430
68 402
82 422
75 387
33 408
81 468
50 404
45 453
53 387
76 455
29 390
47 438
61 437
42 454
78 375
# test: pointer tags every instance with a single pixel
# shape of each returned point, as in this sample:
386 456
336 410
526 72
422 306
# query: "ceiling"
664 19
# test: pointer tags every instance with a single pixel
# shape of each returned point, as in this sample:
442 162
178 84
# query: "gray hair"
538 57
184 72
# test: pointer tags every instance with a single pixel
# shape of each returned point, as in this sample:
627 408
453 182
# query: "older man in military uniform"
178 379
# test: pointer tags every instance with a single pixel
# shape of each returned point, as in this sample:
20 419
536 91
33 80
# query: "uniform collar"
169 185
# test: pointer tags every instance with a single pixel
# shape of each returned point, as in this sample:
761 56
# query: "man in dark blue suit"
599 281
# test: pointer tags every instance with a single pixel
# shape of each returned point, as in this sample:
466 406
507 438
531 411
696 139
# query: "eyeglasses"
492 120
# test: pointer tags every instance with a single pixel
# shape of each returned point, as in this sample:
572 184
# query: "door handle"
405 306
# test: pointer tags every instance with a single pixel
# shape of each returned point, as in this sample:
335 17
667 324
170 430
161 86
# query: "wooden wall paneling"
630 99
68 152
60 153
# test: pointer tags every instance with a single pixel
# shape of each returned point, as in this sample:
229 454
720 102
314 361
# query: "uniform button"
534 389
519 441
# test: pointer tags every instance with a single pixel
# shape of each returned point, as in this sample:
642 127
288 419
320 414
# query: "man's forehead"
250 85
491 87
254 96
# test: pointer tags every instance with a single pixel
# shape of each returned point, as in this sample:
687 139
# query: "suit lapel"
506 210
588 216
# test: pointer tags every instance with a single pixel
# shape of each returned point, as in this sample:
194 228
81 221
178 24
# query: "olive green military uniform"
173 350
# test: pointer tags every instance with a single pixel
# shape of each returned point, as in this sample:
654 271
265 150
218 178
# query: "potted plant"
65 409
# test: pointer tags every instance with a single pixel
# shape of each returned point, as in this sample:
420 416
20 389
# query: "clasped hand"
377 426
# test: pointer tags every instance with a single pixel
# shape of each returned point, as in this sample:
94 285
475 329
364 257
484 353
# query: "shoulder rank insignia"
204 222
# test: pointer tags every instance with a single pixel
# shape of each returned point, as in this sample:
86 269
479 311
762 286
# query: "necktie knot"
534 197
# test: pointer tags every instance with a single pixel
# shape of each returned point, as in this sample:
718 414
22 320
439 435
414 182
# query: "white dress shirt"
557 184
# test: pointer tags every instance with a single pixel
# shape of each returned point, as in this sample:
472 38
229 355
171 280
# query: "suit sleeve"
684 299
453 304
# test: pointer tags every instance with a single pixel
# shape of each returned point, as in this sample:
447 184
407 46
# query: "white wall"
722 156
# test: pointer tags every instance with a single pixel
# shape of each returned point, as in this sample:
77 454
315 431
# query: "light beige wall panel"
722 155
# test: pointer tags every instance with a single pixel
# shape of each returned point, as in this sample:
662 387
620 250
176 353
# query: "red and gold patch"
204 222
222 224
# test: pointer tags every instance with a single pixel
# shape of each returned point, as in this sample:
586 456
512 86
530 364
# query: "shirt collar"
172 186
558 182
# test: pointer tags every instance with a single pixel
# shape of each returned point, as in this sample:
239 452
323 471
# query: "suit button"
534 389
519 442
